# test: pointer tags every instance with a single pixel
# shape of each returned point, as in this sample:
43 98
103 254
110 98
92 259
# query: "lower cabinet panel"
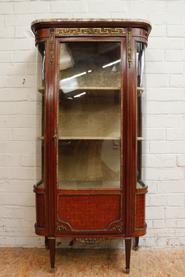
140 224
89 213
40 212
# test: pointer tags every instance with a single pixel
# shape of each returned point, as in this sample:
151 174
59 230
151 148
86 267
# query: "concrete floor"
19 262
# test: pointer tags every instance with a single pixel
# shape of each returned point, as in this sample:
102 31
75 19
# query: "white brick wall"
164 126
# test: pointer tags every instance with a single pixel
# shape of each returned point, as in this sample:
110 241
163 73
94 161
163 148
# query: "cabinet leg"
46 243
52 252
128 243
136 243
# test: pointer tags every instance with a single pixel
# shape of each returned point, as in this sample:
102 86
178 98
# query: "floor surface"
19 262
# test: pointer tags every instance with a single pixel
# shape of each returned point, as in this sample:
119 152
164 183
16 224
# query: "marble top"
58 22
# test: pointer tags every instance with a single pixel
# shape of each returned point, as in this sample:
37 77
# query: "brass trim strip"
129 48
101 31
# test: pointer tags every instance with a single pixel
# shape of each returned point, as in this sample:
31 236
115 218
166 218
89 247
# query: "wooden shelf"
66 184
108 89
95 88
88 138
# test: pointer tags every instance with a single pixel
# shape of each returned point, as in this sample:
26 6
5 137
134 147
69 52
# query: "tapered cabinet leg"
128 243
46 243
136 243
52 242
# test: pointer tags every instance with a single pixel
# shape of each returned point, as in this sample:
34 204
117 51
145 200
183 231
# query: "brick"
170 147
22 56
164 174
18 120
165 108
23 32
19 212
154 134
175 212
6 8
5 57
176 200
10 160
158 200
176 134
21 241
174 12
17 95
29 160
177 80
25 173
31 7
17 147
155 213
158 223
144 10
174 55
158 30
14 199
172 186
164 121
164 67
166 94
181 160
180 223
157 81
153 185
166 43
19 81
7 32
5 134
171 223
19 20
24 134
159 160
19 108
16 186
155 55
67 6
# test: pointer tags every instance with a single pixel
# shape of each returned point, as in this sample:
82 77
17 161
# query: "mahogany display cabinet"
90 79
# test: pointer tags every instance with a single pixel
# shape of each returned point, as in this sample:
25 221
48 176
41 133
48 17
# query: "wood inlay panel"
89 212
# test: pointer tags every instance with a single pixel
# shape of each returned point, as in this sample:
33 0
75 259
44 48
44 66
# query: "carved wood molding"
99 31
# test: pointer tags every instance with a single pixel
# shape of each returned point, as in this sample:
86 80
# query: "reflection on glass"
89 115
140 89
140 64
41 66
40 128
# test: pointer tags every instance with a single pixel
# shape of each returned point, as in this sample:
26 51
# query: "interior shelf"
88 138
89 89
88 184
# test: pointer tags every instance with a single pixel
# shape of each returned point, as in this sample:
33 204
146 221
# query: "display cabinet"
90 80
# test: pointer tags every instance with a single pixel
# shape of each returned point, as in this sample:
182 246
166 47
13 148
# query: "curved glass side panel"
140 58
40 73
89 115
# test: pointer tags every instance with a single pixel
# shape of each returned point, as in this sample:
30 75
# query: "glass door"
89 115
